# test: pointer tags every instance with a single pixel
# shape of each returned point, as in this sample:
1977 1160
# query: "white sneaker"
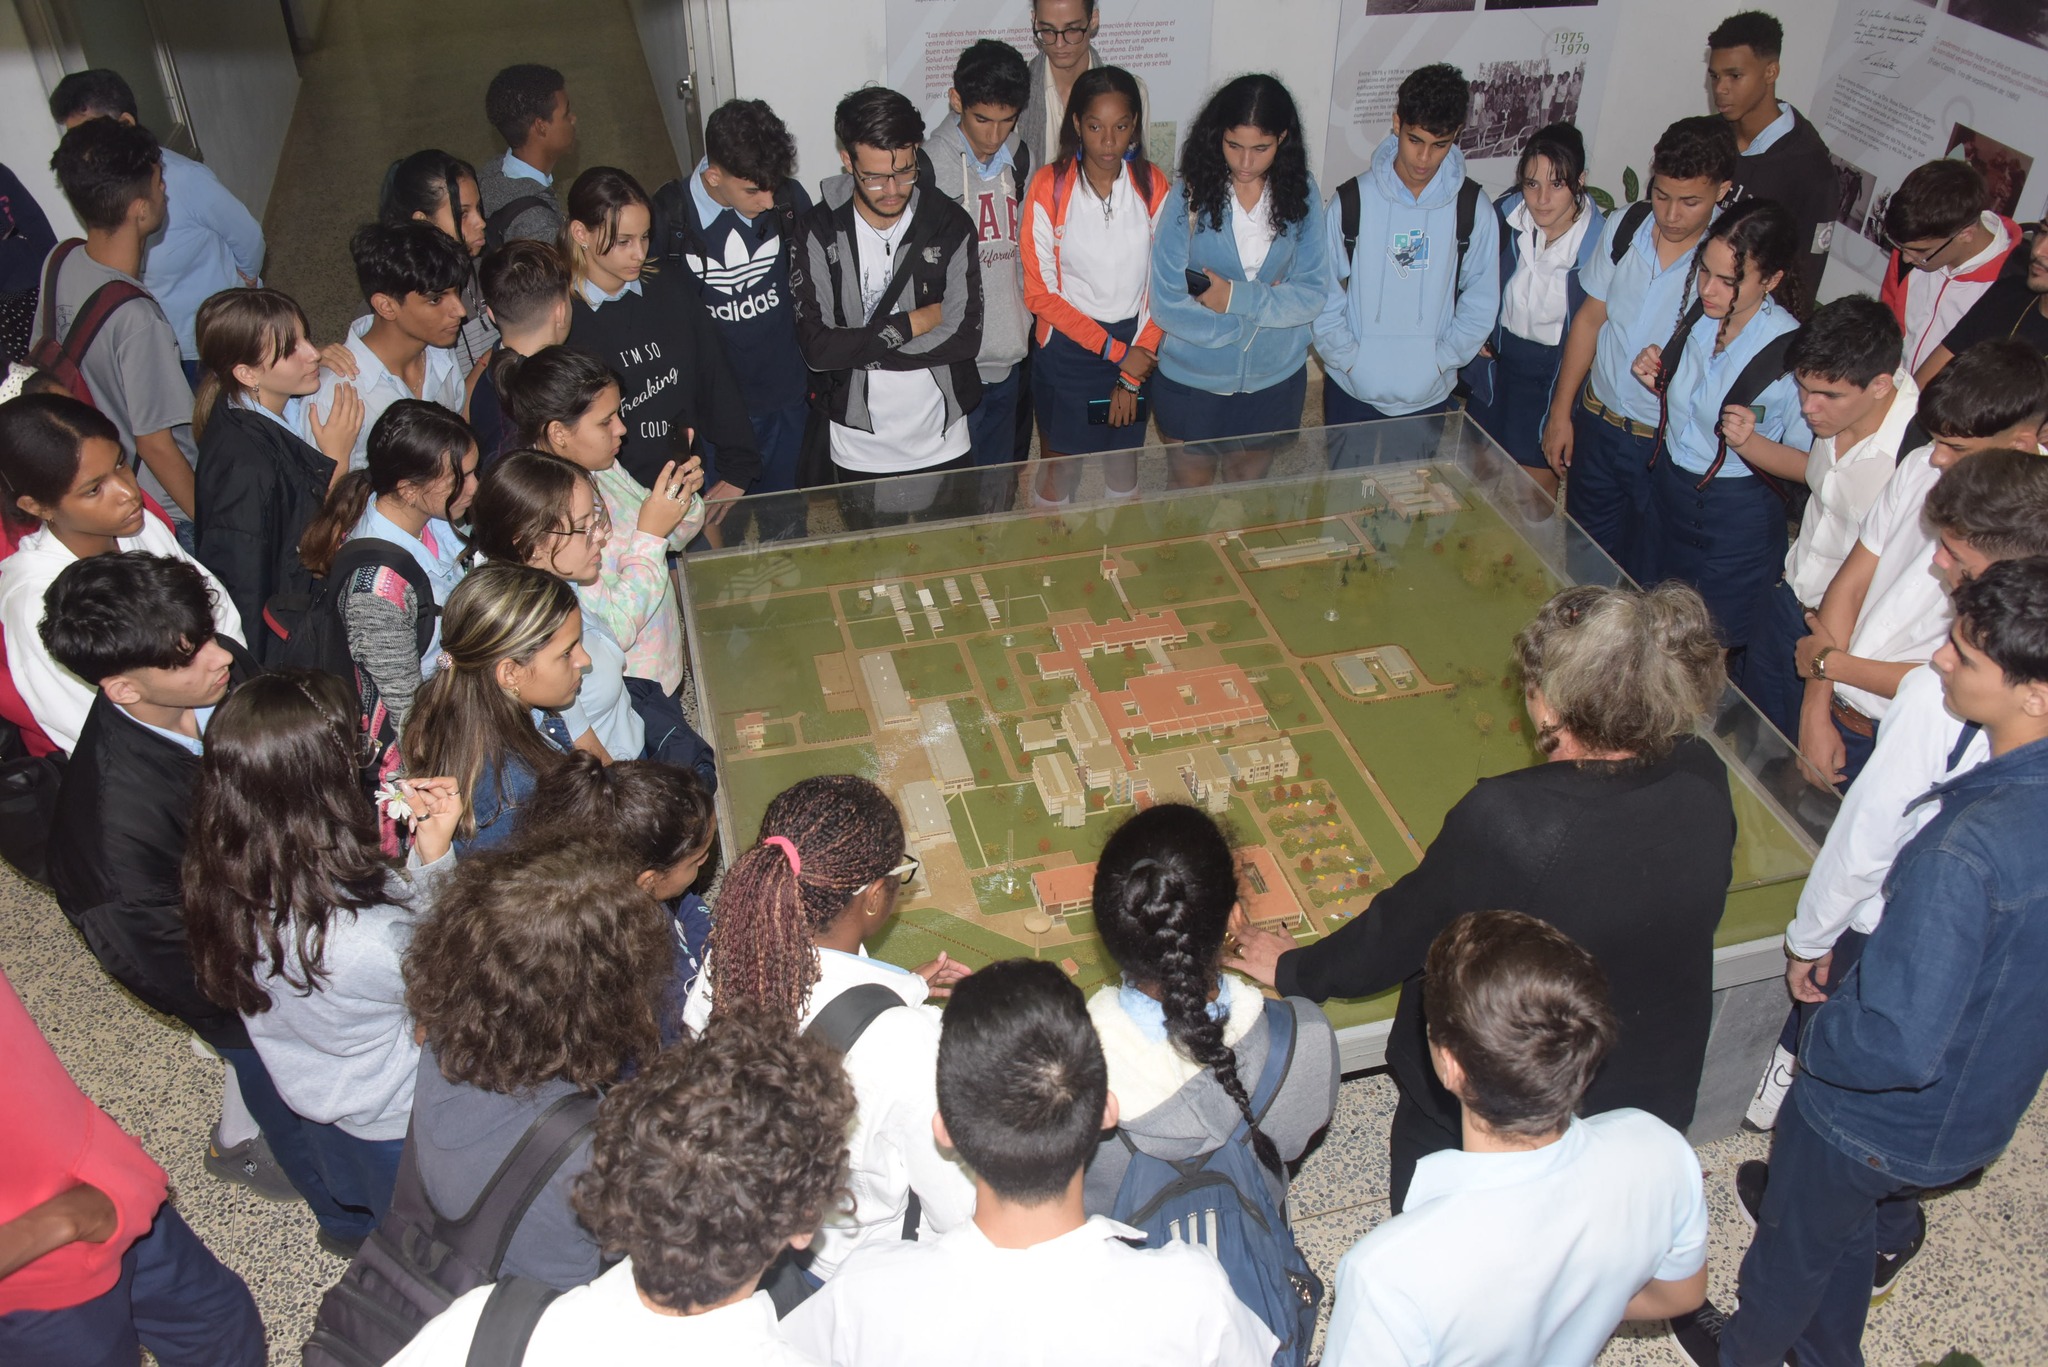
1770 1093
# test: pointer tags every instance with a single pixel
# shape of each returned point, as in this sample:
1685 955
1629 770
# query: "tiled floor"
1977 1287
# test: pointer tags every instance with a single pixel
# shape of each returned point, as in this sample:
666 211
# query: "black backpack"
500 223
1468 215
1625 233
414 1265
306 630
1760 373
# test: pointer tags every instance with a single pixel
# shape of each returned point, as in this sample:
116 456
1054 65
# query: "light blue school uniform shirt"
514 168
196 744
292 420
1699 388
597 298
379 388
603 697
209 241
437 550
1775 129
1642 301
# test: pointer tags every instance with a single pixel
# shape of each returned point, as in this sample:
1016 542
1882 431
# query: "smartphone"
1198 282
1098 412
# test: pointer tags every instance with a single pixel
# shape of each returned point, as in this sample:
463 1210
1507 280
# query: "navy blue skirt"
1523 375
1220 420
1065 378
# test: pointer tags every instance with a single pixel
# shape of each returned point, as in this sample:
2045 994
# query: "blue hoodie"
1388 335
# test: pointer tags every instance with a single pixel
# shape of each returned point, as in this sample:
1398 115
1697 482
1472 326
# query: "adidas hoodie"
1395 327
995 203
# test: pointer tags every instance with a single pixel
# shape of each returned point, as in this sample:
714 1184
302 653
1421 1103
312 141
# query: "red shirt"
51 1139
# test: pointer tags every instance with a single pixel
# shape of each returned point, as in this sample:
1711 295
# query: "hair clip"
1140 865
444 661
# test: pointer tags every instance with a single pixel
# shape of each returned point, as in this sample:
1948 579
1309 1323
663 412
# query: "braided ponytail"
843 833
1163 893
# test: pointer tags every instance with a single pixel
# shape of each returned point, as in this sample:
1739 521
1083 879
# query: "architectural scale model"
1323 664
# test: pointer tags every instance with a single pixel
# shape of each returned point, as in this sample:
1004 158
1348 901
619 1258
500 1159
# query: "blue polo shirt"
1642 307
1775 129
1699 388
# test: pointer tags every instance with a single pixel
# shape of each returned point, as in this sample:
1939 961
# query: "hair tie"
796 862
444 661
1140 865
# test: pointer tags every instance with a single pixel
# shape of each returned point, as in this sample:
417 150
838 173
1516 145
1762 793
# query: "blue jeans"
173 1298
1608 490
292 1144
1768 672
1350 450
1805 1282
992 425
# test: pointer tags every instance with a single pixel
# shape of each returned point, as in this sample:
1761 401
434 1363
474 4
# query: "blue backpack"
1221 1200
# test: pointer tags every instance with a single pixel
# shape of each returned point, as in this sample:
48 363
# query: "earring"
514 690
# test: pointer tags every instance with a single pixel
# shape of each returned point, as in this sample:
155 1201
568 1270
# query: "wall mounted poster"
1530 62
1908 82
1164 42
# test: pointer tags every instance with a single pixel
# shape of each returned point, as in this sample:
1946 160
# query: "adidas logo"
741 269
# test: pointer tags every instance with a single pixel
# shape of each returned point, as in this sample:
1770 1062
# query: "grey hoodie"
996 204
1201 1116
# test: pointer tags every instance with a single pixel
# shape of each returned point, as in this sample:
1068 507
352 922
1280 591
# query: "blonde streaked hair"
597 200
1628 670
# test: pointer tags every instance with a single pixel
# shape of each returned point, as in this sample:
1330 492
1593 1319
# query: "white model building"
950 767
1263 761
926 821
1060 788
885 690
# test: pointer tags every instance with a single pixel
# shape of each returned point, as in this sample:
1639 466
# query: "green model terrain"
1376 776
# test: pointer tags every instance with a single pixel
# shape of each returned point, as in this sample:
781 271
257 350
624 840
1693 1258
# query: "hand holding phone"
1198 283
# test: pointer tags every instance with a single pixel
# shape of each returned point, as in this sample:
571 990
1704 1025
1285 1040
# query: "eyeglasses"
597 527
1919 257
875 180
904 873
1048 36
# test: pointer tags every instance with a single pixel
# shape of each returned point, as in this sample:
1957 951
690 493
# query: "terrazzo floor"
1978 1286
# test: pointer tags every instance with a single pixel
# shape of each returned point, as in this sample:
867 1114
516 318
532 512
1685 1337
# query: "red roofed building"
1183 703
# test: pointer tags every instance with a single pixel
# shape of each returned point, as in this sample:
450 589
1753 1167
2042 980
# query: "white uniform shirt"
1906 612
1844 488
1253 231
894 1070
1535 300
1086 1297
57 698
1937 300
1105 263
1523 1259
905 406
607 1322
1845 891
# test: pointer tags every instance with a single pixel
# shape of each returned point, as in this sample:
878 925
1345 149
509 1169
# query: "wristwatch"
1819 668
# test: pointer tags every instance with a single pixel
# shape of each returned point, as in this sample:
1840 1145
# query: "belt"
1850 720
1612 418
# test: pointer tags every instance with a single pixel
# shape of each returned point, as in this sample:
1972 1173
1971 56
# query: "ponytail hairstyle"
1259 102
847 834
659 813
1564 147
1163 892
284 837
462 722
555 384
1761 234
414 442
522 501
423 184
597 199
42 442
254 327
1091 84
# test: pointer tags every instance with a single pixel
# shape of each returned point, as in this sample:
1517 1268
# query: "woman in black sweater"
266 460
1624 840
650 327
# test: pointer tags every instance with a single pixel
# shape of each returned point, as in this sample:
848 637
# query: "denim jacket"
1922 1065
1263 338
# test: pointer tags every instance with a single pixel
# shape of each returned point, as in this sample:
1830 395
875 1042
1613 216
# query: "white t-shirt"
1535 301
1253 231
894 1070
1106 263
1937 300
1906 612
1523 1259
1844 488
1086 1297
607 1322
905 406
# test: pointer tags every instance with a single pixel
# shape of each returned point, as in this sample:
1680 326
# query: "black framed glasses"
1919 257
1048 36
875 180
904 872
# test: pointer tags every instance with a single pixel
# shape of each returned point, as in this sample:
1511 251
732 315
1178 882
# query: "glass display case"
1321 656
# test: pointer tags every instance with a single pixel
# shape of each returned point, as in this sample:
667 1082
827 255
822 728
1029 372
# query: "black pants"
1416 1135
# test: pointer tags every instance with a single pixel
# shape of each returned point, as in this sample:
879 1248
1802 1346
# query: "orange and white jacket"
1045 224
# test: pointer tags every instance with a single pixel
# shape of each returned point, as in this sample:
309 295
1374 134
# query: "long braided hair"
1163 893
847 834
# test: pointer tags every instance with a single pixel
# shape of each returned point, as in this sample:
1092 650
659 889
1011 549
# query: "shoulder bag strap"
494 1216
847 1016
511 1314
358 551
1281 1036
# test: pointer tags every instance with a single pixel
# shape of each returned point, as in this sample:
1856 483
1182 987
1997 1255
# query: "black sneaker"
250 1164
1750 1180
1890 1265
1699 1335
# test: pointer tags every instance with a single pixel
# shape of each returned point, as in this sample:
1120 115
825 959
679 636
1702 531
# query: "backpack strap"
1762 371
847 1016
1667 366
1347 218
360 551
500 222
493 1218
1468 218
58 257
1625 236
511 1314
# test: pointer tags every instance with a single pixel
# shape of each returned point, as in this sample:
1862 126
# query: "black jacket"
115 853
1797 172
256 486
1632 861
